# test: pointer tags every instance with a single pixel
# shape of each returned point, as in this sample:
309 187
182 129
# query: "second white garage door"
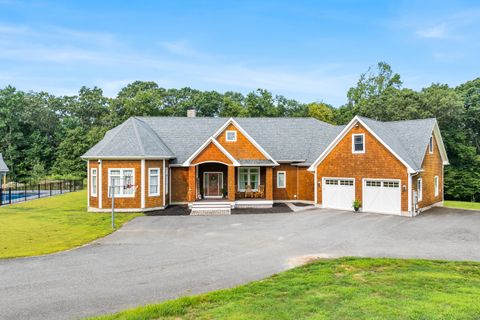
383 196
338 193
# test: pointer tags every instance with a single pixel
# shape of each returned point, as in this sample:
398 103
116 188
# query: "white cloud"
435 32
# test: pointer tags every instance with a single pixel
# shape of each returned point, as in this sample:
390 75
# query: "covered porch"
214 182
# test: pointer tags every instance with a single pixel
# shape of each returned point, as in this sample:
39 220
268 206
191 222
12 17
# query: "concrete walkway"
157 258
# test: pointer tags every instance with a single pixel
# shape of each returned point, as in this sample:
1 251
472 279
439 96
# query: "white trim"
436 186
203 146
343 133
142 187
100 186
127 210
169 184
353 142
121 195
248 182
440 145
410 208
315 187
91 182
220 185
284 179
208 161
164 178
226 135
156 194
420 190
239 128
88 184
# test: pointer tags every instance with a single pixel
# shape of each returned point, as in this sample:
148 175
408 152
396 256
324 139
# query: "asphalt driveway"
156 258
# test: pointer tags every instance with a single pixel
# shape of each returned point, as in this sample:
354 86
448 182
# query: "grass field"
347 288
462 205
51 224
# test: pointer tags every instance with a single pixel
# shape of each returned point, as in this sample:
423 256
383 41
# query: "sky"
305 50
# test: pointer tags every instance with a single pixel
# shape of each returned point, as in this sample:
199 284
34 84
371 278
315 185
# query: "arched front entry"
212 180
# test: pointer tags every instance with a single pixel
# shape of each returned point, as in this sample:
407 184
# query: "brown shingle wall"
432 166
127 203
242 148
211 153
179 184
153 201
376 162
93 200
299 183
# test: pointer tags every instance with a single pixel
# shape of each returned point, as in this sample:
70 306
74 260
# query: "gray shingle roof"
133 138
3 165
290 139
408 138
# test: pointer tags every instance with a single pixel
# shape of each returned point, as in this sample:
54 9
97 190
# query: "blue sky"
307 50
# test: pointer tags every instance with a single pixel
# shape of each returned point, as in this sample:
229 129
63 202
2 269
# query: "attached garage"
382 196
338 193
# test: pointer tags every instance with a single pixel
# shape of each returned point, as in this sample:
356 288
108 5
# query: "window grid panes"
248 176
94 182
154 182
231 135
281 183
358 143
120 179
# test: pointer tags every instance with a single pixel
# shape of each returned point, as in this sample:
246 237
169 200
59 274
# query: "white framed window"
93 182
248 176
420 189
281 179
358 143
119 181
435 185
231 135
430 145
154 181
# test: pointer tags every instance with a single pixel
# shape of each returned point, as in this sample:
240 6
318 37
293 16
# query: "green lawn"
462 204
347 288
51 224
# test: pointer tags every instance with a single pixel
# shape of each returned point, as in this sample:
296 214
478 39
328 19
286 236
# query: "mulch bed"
277 208
182 210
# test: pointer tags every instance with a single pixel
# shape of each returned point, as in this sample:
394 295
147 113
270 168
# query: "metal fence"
20 192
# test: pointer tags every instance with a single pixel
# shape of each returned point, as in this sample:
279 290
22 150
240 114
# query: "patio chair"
248 191
261 191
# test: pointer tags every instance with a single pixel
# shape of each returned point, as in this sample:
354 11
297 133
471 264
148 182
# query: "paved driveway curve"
157 258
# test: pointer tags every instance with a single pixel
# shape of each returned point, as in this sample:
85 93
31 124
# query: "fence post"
10 195
1 195
61 185
25 191
38 186
50 186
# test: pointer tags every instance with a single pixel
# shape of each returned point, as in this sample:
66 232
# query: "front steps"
213 208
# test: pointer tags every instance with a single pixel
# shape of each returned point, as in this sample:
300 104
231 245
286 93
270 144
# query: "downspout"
411 200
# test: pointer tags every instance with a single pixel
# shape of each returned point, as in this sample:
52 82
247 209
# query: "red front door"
213 182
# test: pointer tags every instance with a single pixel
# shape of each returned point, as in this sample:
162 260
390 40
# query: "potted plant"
224 192
357 204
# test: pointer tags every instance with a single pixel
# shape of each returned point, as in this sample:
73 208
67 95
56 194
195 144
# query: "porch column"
192 184
231 183
269 184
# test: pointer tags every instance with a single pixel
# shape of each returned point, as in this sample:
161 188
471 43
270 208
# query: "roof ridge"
392 121
140 142
150 129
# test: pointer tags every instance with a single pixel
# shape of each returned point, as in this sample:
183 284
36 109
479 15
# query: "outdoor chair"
261 191
248 191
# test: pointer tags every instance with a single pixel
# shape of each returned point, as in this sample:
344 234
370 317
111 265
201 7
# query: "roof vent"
191 113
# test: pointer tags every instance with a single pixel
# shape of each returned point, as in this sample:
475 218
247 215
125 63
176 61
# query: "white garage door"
338 193
382 196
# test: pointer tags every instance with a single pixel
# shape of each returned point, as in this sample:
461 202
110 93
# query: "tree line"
44 135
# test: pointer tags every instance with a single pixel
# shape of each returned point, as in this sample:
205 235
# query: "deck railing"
20 192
